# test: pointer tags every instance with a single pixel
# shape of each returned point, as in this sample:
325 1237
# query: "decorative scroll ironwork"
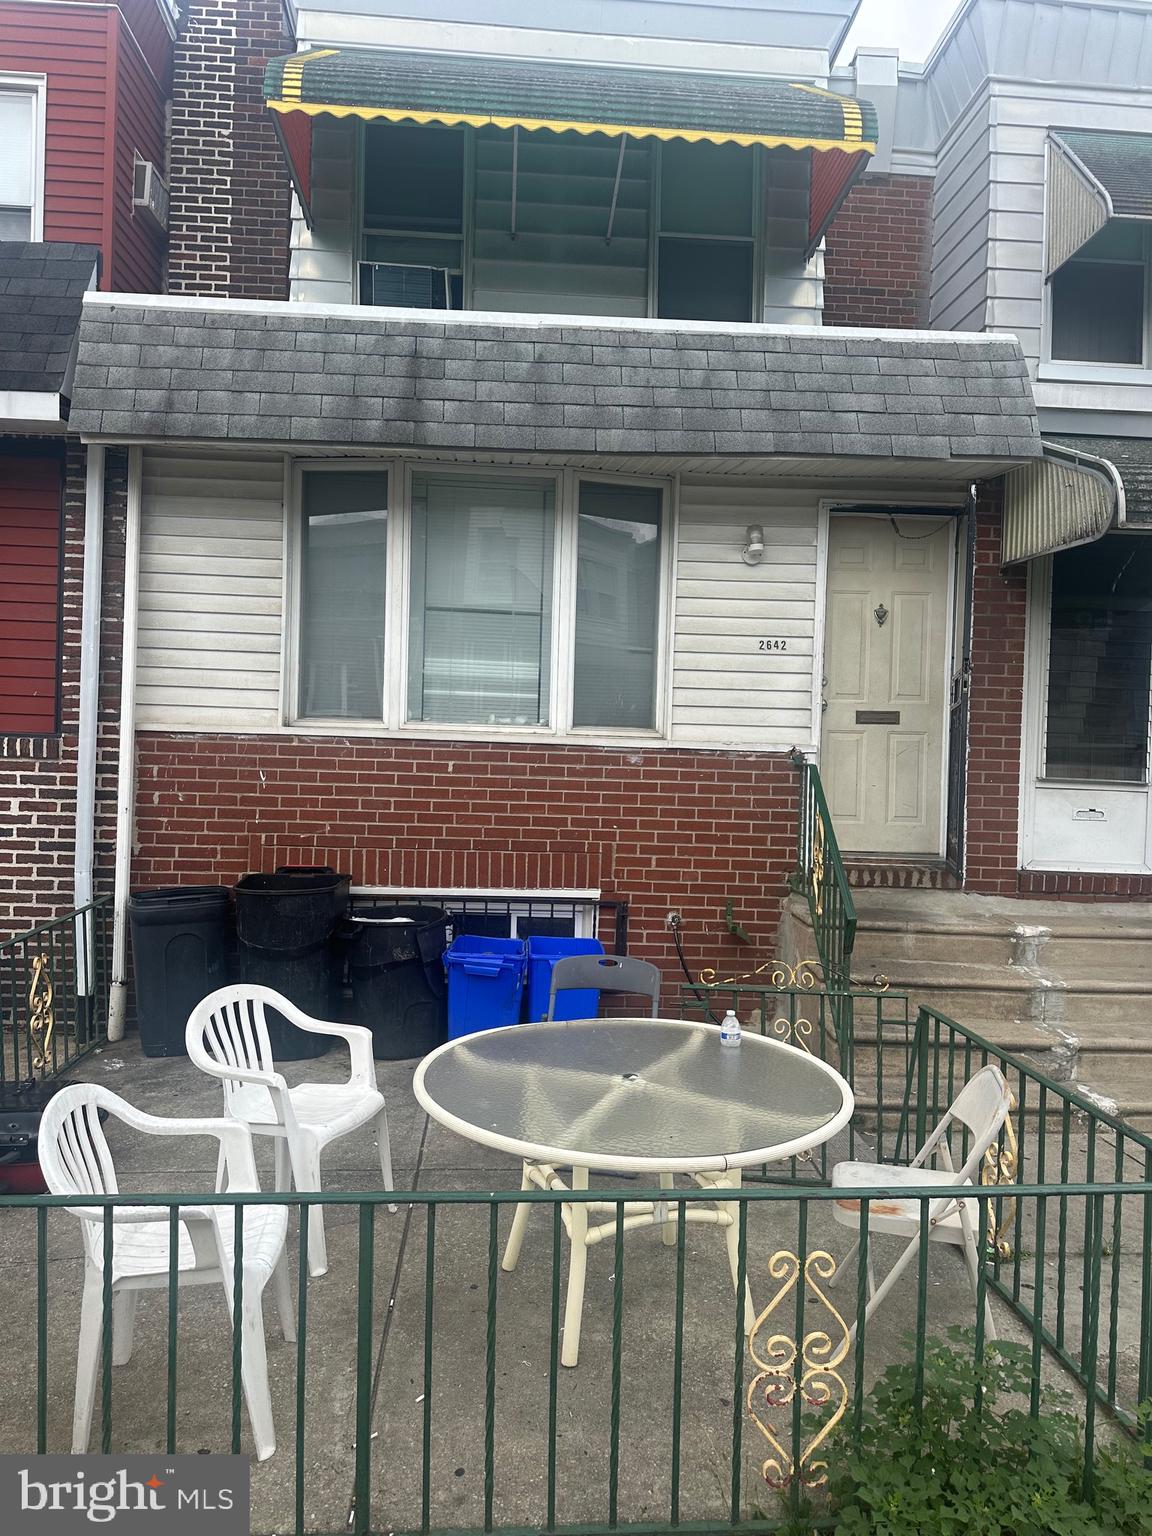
797 1032
786 1366
777 973
41 1012
999 1167
816 866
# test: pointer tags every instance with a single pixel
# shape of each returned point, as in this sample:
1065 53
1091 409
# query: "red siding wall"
30 512
148 27
72 50
876 261
137 245
662 829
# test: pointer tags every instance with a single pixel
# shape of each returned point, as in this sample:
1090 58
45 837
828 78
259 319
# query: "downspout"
89 707
126 774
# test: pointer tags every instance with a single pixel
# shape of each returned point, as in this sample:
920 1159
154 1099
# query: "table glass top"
634 1088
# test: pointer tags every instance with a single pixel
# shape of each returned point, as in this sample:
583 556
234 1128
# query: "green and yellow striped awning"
567 98
453 89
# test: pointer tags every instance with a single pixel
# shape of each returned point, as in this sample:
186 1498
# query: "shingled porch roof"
300 375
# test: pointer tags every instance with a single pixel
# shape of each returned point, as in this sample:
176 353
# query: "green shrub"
948 1468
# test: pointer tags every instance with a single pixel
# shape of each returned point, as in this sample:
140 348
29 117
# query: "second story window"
413 217
707 232
1099 302
19 163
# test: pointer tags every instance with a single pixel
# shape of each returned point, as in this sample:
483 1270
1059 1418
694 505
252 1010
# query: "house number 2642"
773 645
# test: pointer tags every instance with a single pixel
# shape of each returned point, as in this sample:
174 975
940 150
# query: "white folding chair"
227 1037
76 1160
982 1106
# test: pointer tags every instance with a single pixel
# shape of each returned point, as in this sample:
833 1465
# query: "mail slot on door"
877 717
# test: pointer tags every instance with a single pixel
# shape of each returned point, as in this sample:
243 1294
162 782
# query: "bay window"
479 600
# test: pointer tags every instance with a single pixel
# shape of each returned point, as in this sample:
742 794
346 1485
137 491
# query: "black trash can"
179 955
285 924
396 969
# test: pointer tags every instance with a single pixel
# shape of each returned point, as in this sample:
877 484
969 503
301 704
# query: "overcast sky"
910 25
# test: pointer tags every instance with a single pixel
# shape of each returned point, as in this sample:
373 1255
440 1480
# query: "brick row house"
527 457
83 89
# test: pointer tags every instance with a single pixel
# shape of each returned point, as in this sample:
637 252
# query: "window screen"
1098 673
481 603
344 569
1098 299
17 164
705 280
617 606
706 189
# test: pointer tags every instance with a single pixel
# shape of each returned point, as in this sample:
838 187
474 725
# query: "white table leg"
577 1269
519 1222
732 1180
663 1213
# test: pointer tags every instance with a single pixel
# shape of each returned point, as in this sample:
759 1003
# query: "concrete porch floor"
429 1158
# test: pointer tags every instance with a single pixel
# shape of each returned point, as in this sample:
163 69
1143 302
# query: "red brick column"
877 254
996 708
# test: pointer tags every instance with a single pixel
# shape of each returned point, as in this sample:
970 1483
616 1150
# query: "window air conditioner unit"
394 286
149 193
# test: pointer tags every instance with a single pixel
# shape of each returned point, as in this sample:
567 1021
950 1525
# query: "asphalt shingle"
398 380
41 294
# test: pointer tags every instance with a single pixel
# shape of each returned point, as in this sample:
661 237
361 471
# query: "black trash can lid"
177 895
285 883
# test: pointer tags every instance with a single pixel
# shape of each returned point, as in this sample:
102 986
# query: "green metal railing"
54 986
423 1392
821 877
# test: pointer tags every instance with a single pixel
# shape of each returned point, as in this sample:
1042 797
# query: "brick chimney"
230 195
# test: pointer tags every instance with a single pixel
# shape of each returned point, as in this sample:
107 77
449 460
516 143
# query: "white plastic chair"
227 1037
75 1159
982 1106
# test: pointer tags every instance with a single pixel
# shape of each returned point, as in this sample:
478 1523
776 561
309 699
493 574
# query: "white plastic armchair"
227 1037
981 1107
76 1160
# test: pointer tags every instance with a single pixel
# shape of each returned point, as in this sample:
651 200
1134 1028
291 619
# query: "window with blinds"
343 581
481 600
18 190
617 606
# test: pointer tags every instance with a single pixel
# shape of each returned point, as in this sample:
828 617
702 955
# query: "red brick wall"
661 829
995 720
228 219
38 774
876 259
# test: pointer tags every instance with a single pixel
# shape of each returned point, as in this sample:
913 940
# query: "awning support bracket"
515 175
616 189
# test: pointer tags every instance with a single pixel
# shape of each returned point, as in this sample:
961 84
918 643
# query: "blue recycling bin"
543 953
485 983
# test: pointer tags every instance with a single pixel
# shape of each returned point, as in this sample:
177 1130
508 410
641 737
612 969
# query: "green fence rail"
821 877
54 986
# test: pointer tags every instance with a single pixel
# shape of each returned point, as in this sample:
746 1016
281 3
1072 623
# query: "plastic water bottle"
730 1029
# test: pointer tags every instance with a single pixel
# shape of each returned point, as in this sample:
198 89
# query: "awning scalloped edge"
555 125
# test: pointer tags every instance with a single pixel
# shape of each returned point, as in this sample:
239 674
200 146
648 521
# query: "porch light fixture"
753 551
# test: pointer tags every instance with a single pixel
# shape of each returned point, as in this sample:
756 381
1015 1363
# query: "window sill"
540 736
1095 373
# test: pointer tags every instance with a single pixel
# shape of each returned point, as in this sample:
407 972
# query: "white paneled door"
885 681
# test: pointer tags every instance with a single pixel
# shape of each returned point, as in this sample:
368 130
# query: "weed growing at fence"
948 1448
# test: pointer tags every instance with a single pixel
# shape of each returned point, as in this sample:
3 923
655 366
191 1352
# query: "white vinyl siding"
725 689
211 583
323 261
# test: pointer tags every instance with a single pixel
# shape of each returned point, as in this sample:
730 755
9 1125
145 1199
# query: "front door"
886 680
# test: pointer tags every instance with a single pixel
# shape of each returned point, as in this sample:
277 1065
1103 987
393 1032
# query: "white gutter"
89 706
126 774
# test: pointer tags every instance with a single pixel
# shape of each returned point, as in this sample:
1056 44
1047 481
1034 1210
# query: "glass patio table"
656 1096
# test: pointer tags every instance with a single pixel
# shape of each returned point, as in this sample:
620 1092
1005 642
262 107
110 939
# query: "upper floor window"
413 217
707 232
1099 299
20 167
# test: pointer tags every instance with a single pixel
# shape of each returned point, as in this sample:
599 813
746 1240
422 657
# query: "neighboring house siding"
30 535
146 21
211 578
137 245
878 252
76 114
38 773
724 689
960 229
323 259
661 829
